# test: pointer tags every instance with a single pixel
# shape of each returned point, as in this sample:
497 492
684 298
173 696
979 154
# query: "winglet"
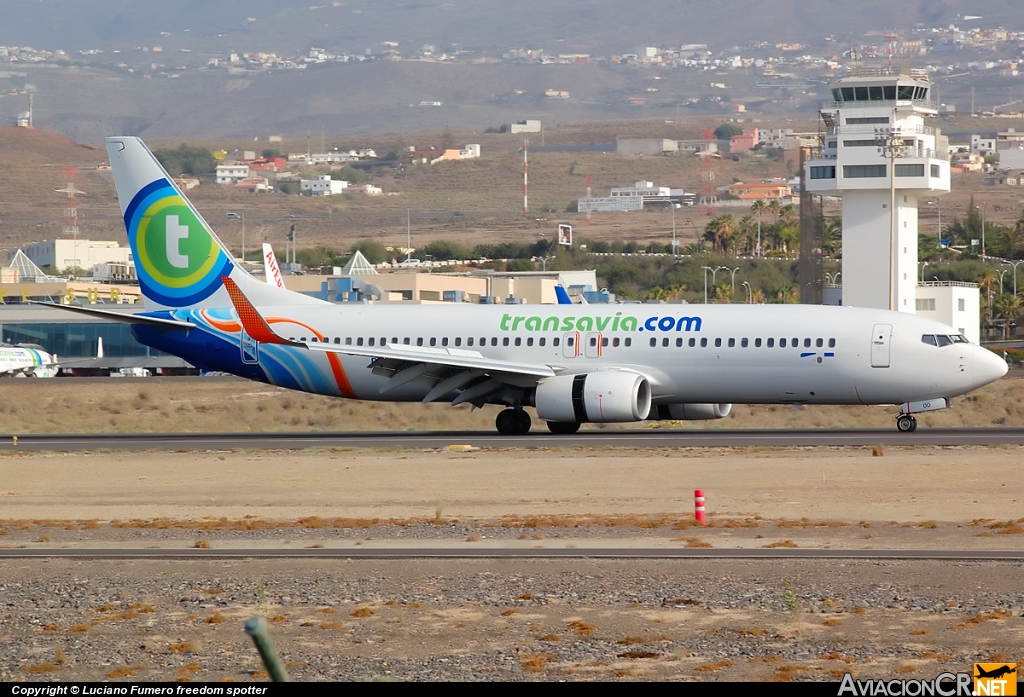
253 323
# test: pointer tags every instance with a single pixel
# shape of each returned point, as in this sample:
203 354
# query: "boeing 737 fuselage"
572 363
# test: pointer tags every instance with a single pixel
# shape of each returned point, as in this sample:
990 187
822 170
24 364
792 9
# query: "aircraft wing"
449 368
120 317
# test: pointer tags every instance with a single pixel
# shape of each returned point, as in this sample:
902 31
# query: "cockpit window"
944 340
928 339
959 339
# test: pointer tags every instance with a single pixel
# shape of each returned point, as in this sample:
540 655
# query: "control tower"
880 157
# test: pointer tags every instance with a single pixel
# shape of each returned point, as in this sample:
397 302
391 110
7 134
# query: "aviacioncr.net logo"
172 245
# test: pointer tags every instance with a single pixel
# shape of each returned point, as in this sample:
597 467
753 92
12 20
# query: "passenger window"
529 341
704 342
807 343
359 341
664 342
654 342
771 343
944 340
458 341
831 343
419 341
313 340
743 343
405 341
519 341
757 343
433 341
604 341
494 341
782 343
629 341
504 341
370 342
337 340
796 343
303 339
570 341
383 341
394 340
469 341
542 341
444 341
615 342
928 339
819 343
348 341
718 342
555 341
732 343
593 341
679 343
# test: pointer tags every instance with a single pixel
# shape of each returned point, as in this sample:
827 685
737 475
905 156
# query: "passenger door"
880 340
593 347
571 345
250 350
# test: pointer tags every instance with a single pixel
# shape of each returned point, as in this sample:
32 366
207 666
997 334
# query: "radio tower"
708 192
70 205
891 38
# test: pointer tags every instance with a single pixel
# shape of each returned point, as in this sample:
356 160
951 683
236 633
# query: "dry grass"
985 617
905 668
510 612
53 406
202 544
639 654
184 647
216 618
781 543
550 638
837 657
712 667
536 662
331 625
581 628
186 670
60 658
361 612
786 673
920 632
932 656
832 623
122 672
877 451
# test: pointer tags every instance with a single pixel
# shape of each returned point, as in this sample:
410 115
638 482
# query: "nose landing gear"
906 423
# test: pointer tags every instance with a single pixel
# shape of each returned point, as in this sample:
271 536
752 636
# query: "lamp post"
1001 274
714 270
833 277
939 209
890 146
732 283
675 242
1014 264
924 265
750 293
236 216
982 209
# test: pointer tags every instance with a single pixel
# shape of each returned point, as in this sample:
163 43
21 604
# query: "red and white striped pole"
526 181
698 505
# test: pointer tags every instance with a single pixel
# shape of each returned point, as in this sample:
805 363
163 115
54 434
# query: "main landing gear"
513 422
906 423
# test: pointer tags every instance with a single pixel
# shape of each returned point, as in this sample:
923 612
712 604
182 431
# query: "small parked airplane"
573 363
27 360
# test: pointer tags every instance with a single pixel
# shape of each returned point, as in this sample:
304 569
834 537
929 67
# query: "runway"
523 553
632 438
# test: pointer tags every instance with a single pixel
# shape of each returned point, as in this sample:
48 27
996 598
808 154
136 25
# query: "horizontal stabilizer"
120 317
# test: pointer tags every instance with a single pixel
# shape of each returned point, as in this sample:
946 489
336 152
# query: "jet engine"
604 396
690 412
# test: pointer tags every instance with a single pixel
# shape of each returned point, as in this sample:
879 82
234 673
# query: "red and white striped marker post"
698 505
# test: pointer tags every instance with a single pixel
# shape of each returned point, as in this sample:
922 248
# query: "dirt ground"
506 619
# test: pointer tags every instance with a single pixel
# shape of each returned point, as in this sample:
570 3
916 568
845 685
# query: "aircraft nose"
988 367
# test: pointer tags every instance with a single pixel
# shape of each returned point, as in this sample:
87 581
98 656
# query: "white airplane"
572 363
27 361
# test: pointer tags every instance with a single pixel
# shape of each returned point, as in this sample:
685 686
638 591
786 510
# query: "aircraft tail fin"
271 268
563 295
179 260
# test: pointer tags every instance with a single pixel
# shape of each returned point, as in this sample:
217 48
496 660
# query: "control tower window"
862 93
876 93
906 92
837 94
890 92
847 94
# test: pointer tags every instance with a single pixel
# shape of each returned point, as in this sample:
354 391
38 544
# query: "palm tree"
774 206
832 235
745 229
987 281
1007 308
758 208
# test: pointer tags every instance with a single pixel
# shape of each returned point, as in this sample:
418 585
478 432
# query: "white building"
71 254
953 303
1012 158
322 185
982 146
879 238
232 173
527 126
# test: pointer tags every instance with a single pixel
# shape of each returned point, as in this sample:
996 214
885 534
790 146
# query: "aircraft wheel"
525 422
510 422
563 428
905 423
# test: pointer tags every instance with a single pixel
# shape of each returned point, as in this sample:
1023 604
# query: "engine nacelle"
691 412
605 396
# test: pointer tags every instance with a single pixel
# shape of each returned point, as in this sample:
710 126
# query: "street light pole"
924 265
750 293
236 216
1001 274
1014 264
732 283
890 146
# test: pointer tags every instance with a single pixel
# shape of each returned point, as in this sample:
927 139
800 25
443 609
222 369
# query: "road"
637 438
518 553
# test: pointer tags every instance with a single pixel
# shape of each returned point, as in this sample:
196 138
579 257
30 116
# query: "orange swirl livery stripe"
332 358
257 328
229 326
